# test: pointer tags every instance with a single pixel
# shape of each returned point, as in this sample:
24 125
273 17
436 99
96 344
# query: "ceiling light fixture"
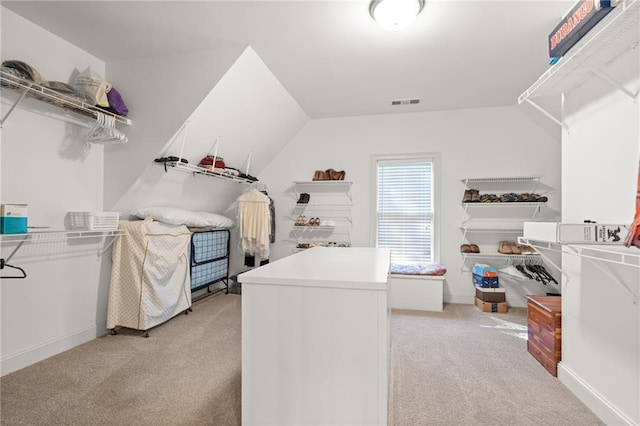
395 14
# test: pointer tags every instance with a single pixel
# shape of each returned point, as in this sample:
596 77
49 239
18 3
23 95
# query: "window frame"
435 159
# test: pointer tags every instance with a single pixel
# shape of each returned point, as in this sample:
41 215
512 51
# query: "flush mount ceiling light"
395 14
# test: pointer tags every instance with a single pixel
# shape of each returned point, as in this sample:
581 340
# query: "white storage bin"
94 221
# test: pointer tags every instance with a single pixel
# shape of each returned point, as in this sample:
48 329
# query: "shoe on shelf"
504 247
474 248
475 195
465 248
515 249
304 198
466 198
525 249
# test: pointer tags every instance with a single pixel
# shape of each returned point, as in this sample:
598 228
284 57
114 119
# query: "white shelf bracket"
547 114
464 235
594 261
611 81
15 104
248 163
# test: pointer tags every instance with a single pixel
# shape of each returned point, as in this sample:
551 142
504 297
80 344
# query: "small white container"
94 221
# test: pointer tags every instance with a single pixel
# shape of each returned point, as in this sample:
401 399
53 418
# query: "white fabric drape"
150 280
254 223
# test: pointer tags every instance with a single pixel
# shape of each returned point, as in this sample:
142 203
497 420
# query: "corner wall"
490 142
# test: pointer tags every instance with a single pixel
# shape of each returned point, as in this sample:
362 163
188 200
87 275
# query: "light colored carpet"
466 367
454 367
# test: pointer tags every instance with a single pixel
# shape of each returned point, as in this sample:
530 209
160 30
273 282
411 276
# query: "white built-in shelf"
503 204
50 236
520 258
336 229
513 179
617 33
610 253
318 206
492 229
17 241
197 170
337 183
30 89
596 254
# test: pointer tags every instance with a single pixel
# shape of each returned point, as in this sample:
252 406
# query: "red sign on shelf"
578 22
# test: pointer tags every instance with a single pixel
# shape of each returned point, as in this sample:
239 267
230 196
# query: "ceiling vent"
405 102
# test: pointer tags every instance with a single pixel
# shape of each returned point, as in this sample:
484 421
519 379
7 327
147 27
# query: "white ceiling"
330 55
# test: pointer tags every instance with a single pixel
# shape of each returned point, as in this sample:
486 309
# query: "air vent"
405 102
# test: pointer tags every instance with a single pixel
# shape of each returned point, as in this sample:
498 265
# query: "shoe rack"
490 222
323 216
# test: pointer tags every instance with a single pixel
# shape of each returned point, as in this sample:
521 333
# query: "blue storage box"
485 282
13 219
485 270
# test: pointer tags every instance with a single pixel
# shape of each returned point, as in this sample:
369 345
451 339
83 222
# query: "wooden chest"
544 320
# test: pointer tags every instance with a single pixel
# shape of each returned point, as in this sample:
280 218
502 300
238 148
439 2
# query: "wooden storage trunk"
544 320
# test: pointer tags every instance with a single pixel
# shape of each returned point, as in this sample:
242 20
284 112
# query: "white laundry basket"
94 221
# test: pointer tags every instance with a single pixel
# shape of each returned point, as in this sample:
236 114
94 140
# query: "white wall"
160 92
46 165
473 143
251 113
600 323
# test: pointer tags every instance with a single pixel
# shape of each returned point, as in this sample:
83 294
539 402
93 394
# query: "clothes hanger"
3 264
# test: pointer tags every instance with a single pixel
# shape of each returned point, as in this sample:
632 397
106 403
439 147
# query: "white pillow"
176 216
216 220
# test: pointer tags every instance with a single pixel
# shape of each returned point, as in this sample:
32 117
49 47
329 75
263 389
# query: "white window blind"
405 210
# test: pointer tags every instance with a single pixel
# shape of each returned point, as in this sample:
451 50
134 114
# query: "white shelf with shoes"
321 213
494 210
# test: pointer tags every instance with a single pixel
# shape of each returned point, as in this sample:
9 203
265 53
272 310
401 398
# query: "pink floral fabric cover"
428 269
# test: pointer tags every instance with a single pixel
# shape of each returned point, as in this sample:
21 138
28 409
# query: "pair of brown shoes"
471 196
469 248
329 174
509 247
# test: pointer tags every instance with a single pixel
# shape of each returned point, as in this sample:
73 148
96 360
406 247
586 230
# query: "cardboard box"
485 282
13 218
500 307
485 270
491 294
577 233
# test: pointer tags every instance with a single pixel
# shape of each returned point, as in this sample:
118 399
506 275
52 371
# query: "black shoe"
304 198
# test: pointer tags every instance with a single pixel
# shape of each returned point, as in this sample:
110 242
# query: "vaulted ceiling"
330 55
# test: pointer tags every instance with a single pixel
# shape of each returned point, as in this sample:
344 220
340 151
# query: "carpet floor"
456 367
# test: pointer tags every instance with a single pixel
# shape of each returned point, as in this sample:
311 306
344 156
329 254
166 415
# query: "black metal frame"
193 263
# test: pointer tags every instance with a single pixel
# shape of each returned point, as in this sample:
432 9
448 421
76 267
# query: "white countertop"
336 267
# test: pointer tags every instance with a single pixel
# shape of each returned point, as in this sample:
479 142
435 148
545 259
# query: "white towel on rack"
254 223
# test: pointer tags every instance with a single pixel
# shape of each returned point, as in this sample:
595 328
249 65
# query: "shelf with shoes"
500 192
494 210
321 213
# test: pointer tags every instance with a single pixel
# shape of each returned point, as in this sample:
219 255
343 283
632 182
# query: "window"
405 206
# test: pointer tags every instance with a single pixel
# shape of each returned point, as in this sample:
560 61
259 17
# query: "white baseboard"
48 349
602 408
463 300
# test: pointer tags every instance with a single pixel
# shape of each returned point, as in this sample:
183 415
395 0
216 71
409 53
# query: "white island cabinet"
315 339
